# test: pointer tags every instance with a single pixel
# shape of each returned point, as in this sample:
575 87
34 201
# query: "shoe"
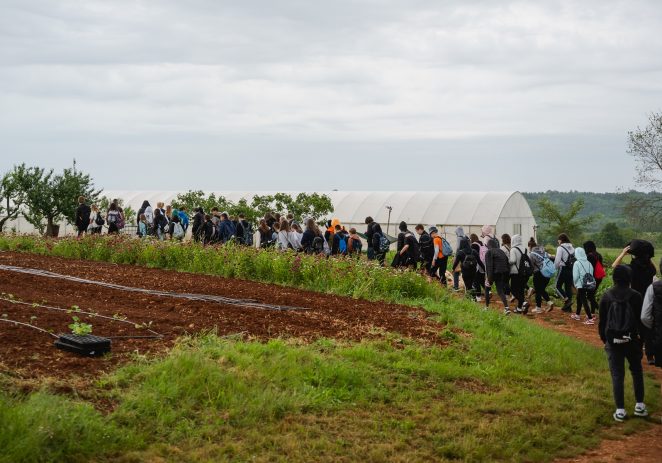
620 416
512 298
506 312
455 289
525 307
519 310
650 359
538 310
550 306
567 305
574 316
479 299
640 411
589 321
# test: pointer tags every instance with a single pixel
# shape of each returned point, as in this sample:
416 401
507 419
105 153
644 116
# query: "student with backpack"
480 278
497 268
651 319
521 270
407 251
283 229
620 312
143 226
96 221
199 220
294 236
584 281
112 218
226 229
466 263
505 247
377 240
160 224
439 261
543 271
267 236
354 243
564 261
247 239
426 247
595 258
207 230
643 271
459 234
183 218
83 213
175 229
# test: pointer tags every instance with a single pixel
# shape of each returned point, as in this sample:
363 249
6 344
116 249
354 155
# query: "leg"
443 265
634 355
517 288
568 283
559 284
456 280
500 283
616 359
537 284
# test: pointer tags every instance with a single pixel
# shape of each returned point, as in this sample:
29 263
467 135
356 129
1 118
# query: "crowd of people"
630 312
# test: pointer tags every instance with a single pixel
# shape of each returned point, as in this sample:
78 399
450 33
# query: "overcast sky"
353 95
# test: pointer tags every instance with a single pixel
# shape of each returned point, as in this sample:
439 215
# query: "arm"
575 276
647 308
602 319
436 251
489 269
458 260
404 249
512 256
620 257
558 260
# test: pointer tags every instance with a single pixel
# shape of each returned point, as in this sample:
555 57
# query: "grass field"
503 389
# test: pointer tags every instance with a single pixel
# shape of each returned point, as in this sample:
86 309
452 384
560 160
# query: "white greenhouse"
508 212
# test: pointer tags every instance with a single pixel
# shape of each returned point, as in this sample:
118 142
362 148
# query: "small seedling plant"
79 328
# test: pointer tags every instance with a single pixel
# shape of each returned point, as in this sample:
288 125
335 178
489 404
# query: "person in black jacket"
651 319
466 263
426 247
620 347
497 268
83 213
373 237
198 224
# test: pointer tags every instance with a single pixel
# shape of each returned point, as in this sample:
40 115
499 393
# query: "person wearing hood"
197 229
517 281
505 247
642 270
461 236
487 233
466 263
619 346
582 268
595 258
563 261
498 271
479 279
540 282
651 320
426 247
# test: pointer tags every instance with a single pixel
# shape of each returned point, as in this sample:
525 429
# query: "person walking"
582 272
618 328
426 248
480 278
595 258
563 261
83 212
466 263
540 278
498 271
651 319
440 261
112 218
518 277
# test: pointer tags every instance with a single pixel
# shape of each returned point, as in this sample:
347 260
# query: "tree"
611 236
53 197
12 195
645 146
555 221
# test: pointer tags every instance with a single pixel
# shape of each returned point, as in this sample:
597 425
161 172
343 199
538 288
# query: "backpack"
415 251
342 243
248 234
484 248
446 248
120 220
469 263
426 245
570 260
547 268
99 221
318 245
384 243
620 321
178 231
356 246
588 281
599 271
525 267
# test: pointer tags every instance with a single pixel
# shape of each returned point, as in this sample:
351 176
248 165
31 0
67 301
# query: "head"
208 217
224 216
214 210
296 227
505 239
290 217
368 220
516 240
81 200
284 224
113 207
433 231
487 230
622 276
474 238
420 229
276 226
168 208
242 216
590 247
157 212
459 232
337 228
95 208
492 244
563 239
352 231
145 205
263 225
143 218
580 254
532 243
403 226
159 204
311 225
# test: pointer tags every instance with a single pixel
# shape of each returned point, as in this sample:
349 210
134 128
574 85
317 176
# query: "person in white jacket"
581 268
517 281
565 254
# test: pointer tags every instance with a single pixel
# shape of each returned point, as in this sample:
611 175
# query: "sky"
312 95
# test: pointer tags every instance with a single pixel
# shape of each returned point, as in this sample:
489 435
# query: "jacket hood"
465 246
145 204
580 254
516 241
459 232
493 244
487 230
568 247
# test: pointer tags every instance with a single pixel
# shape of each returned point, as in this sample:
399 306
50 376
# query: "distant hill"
608 207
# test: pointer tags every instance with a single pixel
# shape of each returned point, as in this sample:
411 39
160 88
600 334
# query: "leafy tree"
555 221
194 199
12 196
53 197
645 146
611 236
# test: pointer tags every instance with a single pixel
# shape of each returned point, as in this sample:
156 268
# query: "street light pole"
388 223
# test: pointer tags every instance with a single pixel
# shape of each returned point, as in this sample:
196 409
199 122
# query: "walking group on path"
630 312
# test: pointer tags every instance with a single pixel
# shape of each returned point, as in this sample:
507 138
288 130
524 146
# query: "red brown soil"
29 353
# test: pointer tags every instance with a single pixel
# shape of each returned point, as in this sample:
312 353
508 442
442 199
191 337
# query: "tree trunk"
52 230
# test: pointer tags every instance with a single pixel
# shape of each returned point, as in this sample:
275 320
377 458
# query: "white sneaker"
538 310
640 410
550 306
479 299
620 416
506 311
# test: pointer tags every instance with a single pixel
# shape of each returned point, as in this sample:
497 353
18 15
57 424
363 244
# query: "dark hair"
474 238
563 238
403 226
113 207
532 243
225 216
590 247
338 227
214 209
368 220
242 216
505 239
419 227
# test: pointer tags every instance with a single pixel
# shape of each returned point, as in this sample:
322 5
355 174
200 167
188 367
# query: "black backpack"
318 245
621 322
525 267
469 263
426 246
248 233
99 221
571 259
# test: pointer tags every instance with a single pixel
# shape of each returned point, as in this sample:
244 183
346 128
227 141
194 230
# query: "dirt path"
29 353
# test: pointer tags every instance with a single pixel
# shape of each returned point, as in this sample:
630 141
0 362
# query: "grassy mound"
502 389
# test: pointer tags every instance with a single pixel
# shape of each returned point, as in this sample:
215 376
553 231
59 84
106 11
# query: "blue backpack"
342 244
547 268
446 248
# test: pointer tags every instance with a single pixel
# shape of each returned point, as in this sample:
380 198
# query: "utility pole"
388 223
